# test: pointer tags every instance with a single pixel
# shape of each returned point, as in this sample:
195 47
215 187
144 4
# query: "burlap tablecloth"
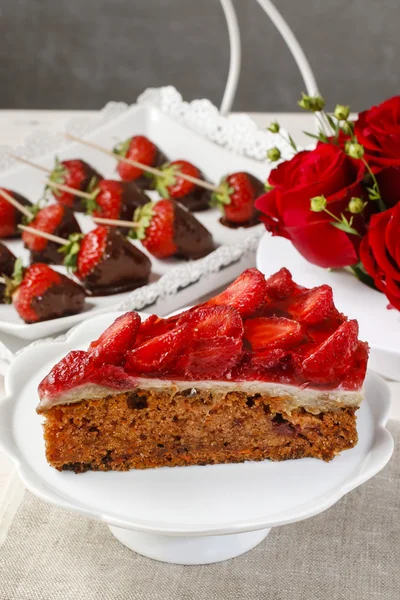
350 552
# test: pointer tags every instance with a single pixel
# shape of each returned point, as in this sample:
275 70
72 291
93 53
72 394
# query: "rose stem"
25 211
47 236
67 188
115 222
28 162
138 165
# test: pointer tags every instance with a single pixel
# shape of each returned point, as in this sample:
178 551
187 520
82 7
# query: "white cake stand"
187 515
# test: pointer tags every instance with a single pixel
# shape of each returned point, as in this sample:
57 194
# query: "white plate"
177 141
378 325
210 500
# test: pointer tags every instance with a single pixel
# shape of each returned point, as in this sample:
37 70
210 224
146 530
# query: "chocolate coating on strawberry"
56 219
190 195
141 149
62 300
7 262
76 174
10 217
117 200
38 293
236 200
167 229
191 238
107 263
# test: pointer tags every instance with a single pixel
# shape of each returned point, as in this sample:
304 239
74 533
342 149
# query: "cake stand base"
189 550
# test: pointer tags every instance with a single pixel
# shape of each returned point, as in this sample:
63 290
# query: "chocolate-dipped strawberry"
167 229
138 148
7 262
235 198
172 185
75 175
38 293
106 262
10 215
56 219
116 200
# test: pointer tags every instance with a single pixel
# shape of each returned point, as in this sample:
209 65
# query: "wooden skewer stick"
30 163
115 222
43 234
23 209
139 165
67 188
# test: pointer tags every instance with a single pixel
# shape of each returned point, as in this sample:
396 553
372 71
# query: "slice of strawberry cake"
266 369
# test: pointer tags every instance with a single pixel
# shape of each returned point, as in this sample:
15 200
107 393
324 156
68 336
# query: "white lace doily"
238 133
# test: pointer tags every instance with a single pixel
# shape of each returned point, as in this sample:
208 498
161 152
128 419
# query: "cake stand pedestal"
189 550
185 515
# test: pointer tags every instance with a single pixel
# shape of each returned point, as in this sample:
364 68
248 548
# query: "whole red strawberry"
172 185
56 219
10 217
141 149
106 262
38 293
166 229
116 200
7 262
236 198
76 174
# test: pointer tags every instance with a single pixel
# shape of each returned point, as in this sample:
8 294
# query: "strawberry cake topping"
257 330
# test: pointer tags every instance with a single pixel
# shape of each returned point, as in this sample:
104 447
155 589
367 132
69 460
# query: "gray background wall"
82 53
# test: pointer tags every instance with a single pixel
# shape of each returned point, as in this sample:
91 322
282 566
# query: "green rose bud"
312 103
354 150
318 203
348 127
273 154
356 206
342 112
274 127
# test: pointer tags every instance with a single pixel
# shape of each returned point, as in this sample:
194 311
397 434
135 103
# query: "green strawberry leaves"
71 250
222 197
14 281
142 218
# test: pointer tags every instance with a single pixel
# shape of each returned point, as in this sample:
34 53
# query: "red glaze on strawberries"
267 330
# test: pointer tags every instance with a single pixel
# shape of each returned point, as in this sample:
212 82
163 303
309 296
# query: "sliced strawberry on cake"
266 369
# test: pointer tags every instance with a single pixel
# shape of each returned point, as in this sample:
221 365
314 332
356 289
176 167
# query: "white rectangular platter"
173 283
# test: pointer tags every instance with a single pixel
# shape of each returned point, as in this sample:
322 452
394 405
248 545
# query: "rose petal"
324 245
377 242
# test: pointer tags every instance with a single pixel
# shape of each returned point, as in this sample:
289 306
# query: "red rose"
380 253
286 210
378 130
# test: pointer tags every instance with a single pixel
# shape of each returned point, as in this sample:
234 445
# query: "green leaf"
292 142
361 274
345 227
331 122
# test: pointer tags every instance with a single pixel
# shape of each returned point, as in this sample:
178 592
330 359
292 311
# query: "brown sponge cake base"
154 428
